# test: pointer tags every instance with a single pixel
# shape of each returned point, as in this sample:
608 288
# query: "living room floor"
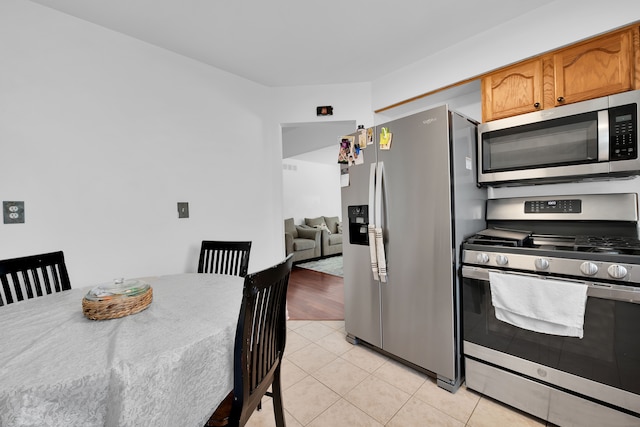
329 382
313 295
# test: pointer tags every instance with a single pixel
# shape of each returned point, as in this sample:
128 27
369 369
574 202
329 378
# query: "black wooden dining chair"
259 346
224 257
32 276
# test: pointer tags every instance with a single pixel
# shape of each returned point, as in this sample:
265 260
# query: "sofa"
331 239
303 242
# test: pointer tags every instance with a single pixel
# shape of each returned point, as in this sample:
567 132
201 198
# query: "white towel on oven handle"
549 306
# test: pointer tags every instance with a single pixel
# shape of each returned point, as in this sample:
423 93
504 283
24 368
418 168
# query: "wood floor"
315 296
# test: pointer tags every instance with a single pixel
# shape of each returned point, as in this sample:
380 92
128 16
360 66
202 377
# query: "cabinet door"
597 68
513 90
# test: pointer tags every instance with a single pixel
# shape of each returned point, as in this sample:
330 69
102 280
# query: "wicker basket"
116 307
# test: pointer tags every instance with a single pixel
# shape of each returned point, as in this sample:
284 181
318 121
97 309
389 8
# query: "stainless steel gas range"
576 259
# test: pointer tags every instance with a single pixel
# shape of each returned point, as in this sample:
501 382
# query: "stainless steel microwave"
590 139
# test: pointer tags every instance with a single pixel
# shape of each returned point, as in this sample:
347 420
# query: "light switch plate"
13 212
183 210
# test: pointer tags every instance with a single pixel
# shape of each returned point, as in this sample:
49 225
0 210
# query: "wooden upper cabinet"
597 68
512 90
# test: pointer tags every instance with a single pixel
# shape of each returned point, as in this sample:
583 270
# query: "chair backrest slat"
48 271
32 276
36 285
222 257
55 274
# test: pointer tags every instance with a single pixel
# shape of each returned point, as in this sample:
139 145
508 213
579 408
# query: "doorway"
311 173
311 188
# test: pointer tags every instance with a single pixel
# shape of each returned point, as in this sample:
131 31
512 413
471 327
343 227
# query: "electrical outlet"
13 212
183 210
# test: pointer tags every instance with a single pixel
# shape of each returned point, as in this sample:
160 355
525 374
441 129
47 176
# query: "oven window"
557 142
608 353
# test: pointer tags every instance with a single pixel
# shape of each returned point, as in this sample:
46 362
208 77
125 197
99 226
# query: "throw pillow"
322 226
332 223
312 222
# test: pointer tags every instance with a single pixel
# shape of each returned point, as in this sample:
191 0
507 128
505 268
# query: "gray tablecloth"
168 365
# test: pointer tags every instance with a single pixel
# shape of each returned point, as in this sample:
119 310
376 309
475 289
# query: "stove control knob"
502 260
617 271
541 263
588 268
482 258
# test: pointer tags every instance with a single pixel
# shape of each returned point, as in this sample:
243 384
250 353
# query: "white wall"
553 25
101 135
464 99
626 185
310 190
310 169
349 101
308 137
313 190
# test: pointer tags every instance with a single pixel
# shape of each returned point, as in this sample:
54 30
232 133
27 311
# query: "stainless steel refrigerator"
418 200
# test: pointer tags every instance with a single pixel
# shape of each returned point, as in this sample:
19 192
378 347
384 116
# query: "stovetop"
588 236
505 239
614 259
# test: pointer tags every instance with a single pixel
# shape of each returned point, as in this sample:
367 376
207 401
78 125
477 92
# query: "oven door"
604 365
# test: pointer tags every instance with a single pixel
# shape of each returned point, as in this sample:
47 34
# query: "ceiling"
300 42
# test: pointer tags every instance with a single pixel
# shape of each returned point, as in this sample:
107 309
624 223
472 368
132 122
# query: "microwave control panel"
623 133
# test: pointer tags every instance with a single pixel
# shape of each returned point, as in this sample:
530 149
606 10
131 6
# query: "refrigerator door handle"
382 262
371 226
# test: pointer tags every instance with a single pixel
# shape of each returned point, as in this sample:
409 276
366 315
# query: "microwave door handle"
603 135
371 226
382 262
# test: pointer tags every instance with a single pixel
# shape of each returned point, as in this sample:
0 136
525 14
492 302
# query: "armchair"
303 243
331 227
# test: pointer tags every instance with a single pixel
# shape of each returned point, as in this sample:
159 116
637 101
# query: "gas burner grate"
608 244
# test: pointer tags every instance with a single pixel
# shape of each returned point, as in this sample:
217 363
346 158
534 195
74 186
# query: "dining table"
168 365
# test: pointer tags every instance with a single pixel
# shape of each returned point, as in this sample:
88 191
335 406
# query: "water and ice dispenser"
358 223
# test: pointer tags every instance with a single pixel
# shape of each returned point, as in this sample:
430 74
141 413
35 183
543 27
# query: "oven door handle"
595 289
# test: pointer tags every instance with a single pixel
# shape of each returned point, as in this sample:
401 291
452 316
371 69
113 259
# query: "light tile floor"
328 382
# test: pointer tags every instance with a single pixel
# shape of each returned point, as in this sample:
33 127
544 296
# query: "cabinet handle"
536 105
561 99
